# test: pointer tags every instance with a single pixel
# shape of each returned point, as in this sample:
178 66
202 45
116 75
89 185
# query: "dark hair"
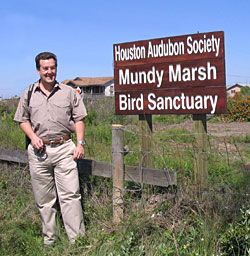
44 56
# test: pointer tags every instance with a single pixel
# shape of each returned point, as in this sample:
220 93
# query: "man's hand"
36 142
79 152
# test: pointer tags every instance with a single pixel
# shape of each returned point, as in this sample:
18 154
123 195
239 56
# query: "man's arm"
80 131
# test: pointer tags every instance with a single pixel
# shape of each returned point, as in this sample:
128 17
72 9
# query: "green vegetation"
239 106
245 91
170 119
237 234
158 221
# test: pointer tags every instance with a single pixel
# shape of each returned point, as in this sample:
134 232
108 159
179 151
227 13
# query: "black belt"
57 140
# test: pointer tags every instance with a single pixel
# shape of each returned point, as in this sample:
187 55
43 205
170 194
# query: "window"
111 89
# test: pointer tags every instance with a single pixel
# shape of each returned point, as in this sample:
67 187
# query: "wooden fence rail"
88 167
117 171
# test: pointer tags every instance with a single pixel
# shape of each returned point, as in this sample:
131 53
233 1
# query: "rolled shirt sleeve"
22 112
79 110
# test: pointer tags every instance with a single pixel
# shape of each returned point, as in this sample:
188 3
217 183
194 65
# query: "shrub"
239 108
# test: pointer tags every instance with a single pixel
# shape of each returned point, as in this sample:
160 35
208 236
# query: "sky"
82 33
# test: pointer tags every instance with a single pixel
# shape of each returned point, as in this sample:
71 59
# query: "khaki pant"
55 175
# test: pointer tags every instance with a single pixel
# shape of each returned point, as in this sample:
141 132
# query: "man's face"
47 71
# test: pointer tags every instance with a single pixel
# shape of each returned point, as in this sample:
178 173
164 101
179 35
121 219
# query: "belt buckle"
54 142
51 142
61 141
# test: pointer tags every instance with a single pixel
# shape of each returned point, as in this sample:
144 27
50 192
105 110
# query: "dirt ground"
215 129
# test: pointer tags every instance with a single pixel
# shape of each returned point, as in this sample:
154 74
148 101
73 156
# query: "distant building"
93 85
232 90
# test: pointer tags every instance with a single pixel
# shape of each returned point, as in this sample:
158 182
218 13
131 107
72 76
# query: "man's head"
45 56
46 65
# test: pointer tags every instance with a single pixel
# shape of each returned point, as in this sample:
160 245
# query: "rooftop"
88 81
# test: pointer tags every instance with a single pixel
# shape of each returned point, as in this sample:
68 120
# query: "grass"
170 119
183 226
158 221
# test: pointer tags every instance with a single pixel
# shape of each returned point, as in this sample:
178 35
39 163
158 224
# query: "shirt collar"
37 86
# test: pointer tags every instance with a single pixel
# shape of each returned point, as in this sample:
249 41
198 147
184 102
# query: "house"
93 85
232 90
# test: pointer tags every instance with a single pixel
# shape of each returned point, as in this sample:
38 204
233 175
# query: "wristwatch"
81 142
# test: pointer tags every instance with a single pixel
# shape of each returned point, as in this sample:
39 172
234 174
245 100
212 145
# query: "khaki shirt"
53 115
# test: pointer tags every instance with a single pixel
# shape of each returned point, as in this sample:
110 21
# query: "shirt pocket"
61 112
36 112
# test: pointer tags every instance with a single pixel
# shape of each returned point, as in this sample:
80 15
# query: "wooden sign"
173 75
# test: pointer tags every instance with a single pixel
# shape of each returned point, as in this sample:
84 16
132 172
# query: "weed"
179 226
170 119
236 238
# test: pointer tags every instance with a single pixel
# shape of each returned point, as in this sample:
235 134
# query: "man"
53 112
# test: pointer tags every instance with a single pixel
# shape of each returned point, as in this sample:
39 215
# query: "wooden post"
146 140
117 172
200 159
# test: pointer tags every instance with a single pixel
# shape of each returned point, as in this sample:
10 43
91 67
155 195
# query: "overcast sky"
82 33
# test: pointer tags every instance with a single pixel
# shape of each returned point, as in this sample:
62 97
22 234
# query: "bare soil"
215 129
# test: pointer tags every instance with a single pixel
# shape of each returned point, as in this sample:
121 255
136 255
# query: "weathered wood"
88 167
201 156
146 126
149 176
15 156
117 172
